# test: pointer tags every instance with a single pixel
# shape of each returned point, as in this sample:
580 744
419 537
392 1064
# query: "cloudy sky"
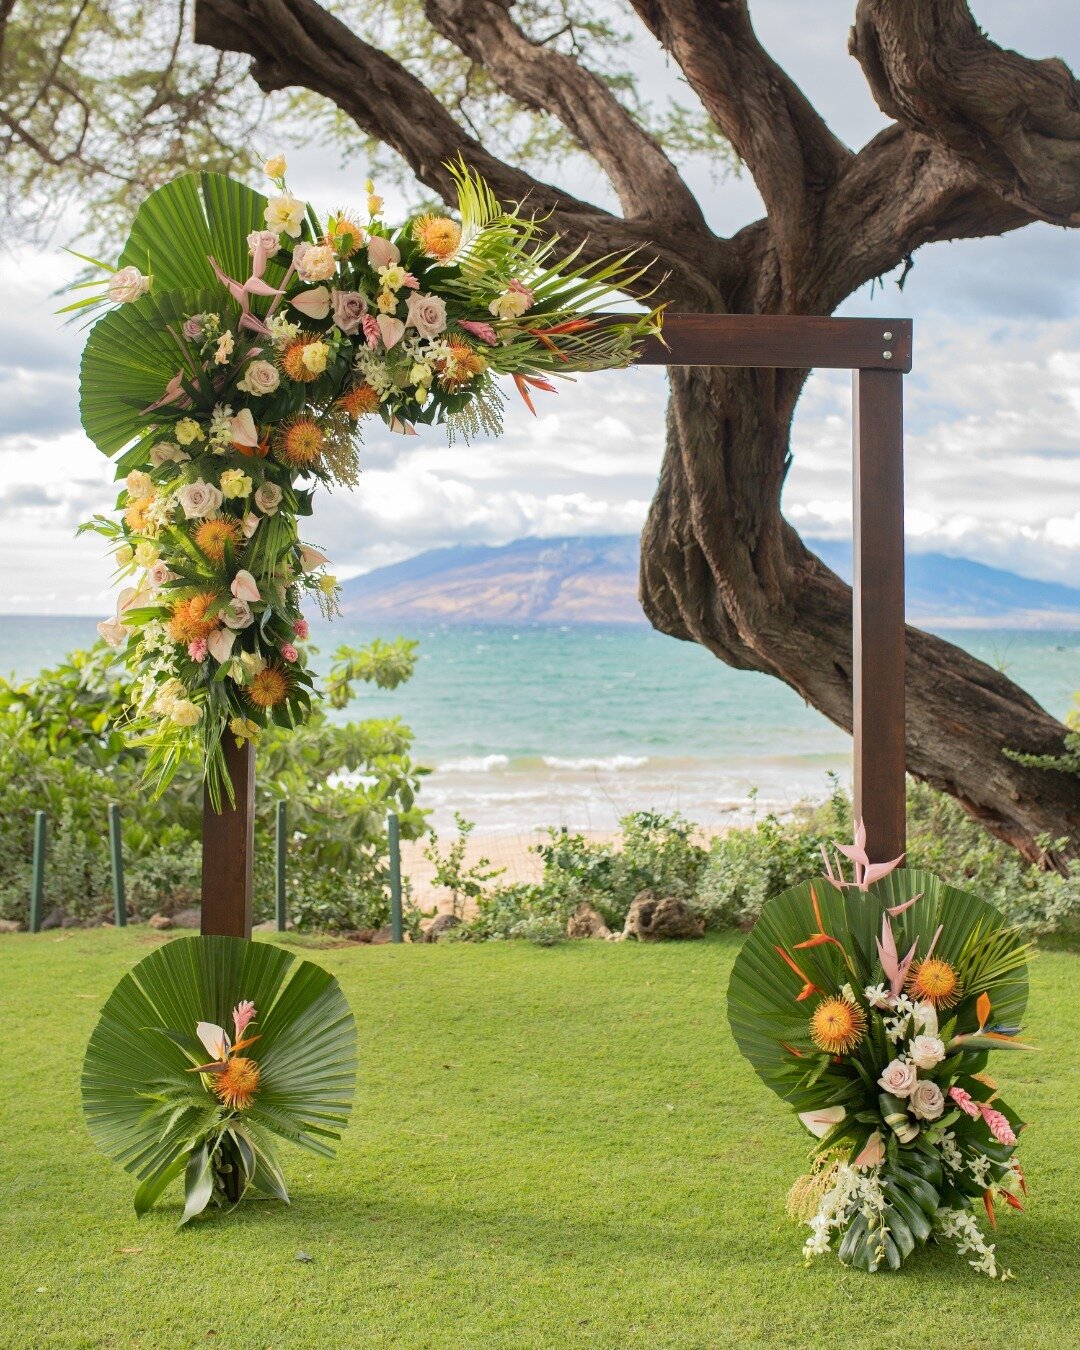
993 407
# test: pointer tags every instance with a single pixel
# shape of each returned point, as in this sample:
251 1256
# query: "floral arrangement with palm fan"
871 1006
168 1092
249 341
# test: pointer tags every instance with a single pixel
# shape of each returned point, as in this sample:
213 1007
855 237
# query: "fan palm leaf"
146 1109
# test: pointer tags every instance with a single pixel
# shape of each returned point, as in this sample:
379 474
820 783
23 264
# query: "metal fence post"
393 833
116 855
282 845
37 884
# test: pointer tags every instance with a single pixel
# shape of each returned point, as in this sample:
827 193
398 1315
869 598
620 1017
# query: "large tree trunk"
985 141
721 567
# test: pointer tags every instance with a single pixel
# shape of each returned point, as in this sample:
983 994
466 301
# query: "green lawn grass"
550 1147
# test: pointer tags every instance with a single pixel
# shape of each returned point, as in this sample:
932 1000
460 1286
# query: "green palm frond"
143 1107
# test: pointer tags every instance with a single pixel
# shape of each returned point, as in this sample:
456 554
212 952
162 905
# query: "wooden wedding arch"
878 352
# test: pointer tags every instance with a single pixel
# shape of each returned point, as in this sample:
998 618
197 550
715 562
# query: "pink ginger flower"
197 650
243 1013
964 1102
301 629
998 1126
372 335
483 331
409 281
289 652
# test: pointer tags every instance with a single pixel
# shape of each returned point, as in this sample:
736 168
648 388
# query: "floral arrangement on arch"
871 1006
250 341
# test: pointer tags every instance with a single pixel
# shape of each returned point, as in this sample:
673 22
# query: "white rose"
926 1051
268 498
511 305
927 1101
127 285
427 314
185 713
285 215
199 499
237 614
899 1078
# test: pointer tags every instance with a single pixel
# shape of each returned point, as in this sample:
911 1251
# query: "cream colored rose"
927 1101
268 498
314 356
188 430
166 452
185 713
237 614
509 305
199 499
260 378
235 483
285 215
127 285
139 484
275 166
899 1078
926 1051
427 314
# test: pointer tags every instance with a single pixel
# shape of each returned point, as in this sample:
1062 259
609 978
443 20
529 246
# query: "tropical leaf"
140 1098
765 1016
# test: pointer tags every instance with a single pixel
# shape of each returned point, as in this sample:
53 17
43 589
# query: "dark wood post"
878 618
228 849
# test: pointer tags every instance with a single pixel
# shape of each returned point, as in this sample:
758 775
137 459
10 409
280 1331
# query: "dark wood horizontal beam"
780 341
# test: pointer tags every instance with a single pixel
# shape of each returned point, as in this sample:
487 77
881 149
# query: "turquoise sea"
538 725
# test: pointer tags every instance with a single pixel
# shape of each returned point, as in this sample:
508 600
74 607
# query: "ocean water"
539 725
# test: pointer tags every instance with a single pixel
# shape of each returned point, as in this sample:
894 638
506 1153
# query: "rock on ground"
652 920
442 923
161 922
587 922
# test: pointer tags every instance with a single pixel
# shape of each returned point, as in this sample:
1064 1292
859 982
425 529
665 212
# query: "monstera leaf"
769 1023
134 351
148 1111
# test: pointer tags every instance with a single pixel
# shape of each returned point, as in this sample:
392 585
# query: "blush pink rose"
927 1101
127 285
899 1078
301 629
427 314
289 652
349 310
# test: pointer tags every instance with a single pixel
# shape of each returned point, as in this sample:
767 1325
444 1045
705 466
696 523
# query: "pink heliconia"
242 291
895 969
998 1126
174 392
483 331
865 873
965 1102
243 1013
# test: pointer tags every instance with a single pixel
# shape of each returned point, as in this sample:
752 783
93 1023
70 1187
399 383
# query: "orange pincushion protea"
438 236
934 981
237 1084
292 358
360 400
189 621
299 443
268 687
136 516
213 536
837 1025
343 234
464 364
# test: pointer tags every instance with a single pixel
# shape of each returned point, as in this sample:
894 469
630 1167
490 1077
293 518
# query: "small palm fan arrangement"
249 342
208 1049
872 1006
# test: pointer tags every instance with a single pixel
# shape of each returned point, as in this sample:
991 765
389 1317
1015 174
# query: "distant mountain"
594 580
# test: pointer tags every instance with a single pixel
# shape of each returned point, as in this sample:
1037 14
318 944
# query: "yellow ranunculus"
314 356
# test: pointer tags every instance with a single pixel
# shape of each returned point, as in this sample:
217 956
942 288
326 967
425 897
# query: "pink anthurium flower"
390 330
314 303
402 428
243 430
382 253
243 587
820 1122
220 644
873 1154
215 1038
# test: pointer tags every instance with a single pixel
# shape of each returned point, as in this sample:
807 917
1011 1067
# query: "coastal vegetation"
62 751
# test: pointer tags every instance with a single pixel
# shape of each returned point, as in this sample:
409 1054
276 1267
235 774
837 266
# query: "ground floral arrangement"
249 342
170 1094
871 1006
